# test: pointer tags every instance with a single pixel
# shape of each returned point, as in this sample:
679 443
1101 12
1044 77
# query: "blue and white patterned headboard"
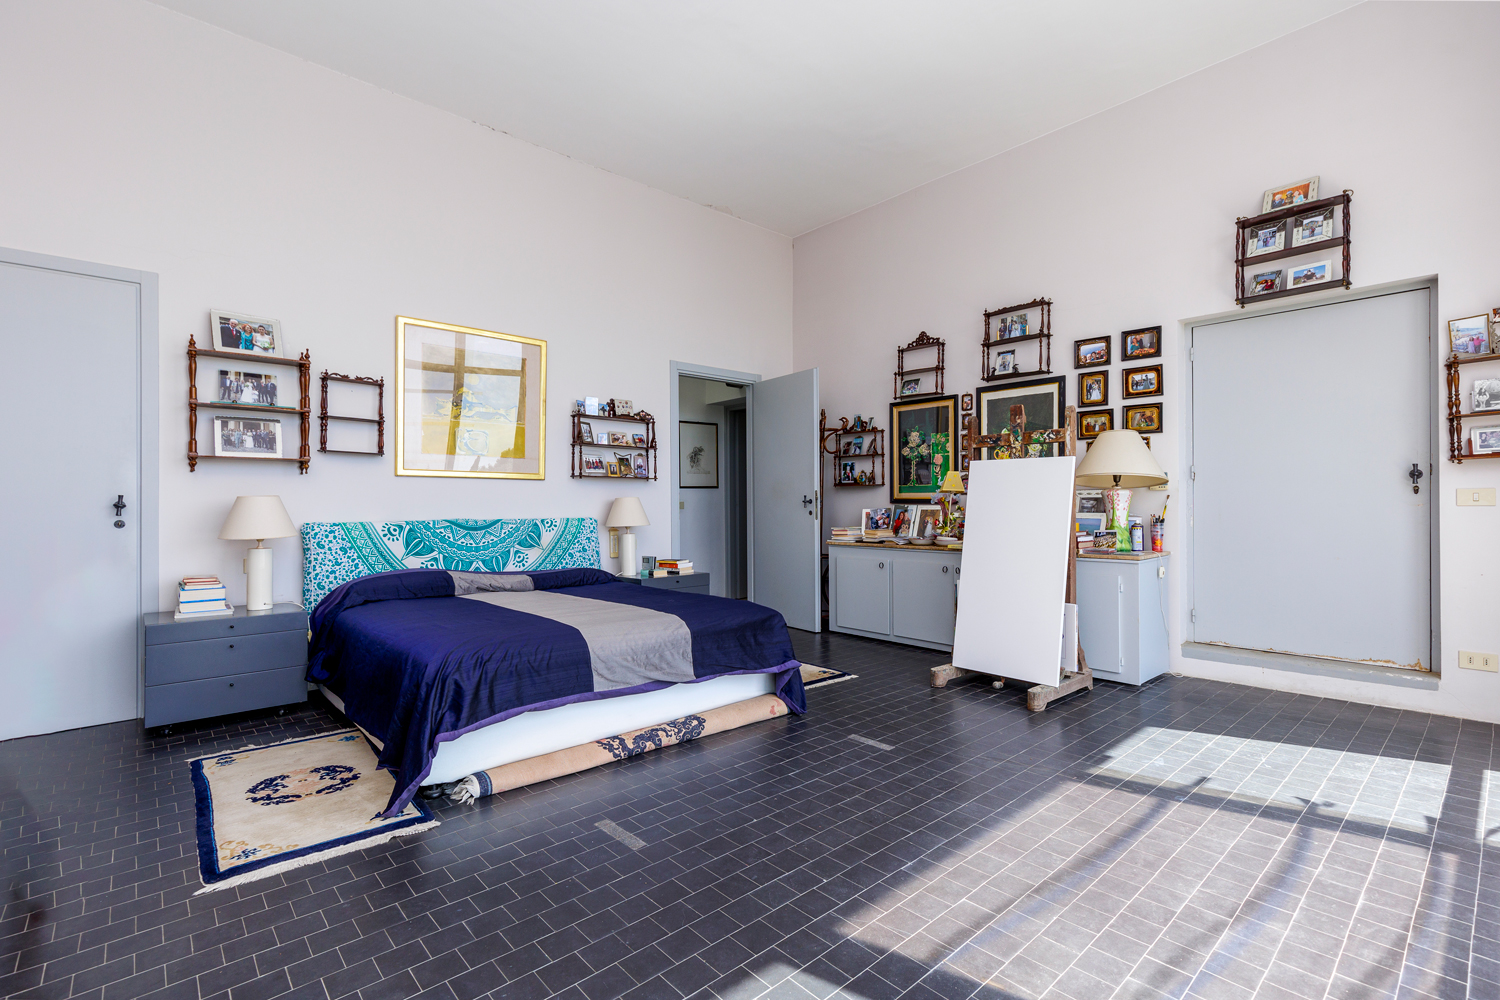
333 553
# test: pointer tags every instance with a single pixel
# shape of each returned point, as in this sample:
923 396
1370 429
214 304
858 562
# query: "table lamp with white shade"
1119 461
626 513
258 518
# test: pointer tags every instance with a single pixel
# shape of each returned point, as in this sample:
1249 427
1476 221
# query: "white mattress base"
532 734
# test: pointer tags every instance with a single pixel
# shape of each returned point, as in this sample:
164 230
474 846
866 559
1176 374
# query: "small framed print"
612 469
1143 419
1093 388
1298 193
601 437
638 440
619 437
237 438
1091 353
1265 281
1485 395
235 333
1314 227
1142 343
926 521
1092 423
247 388
1091 502
911 386
1003 363
593 465
585 432
622 407
639 466
1268 238
1090 523
1302 275
966 402
1470 335
626 464
876 519
1010 327
1136 382
1484 440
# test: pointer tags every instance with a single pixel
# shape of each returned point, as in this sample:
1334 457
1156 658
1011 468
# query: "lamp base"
258 579
1117 502
630 563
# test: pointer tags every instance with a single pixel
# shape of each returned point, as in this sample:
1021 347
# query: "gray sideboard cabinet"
901 593
218 666
1121 624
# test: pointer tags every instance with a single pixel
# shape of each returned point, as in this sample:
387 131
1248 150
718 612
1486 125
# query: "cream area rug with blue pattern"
265 810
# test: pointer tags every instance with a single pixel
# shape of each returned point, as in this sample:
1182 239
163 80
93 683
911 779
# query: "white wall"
1126 220
701 520
251 180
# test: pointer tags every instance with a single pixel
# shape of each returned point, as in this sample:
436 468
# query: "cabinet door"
1100 594
925 596
862 590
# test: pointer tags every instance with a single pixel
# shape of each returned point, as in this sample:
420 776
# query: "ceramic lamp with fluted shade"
258 518
626 513
1119 461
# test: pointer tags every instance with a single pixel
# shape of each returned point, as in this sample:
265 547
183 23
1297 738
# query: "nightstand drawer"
203 699
163 628
173 662
693 581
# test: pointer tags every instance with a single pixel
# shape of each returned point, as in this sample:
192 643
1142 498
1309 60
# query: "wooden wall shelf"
923 342
1043 339
378 384
1458 443
832 443
1341 241
649 449
303 365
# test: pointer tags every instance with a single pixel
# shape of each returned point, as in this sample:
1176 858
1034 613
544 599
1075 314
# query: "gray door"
71 594
785 536
1307 537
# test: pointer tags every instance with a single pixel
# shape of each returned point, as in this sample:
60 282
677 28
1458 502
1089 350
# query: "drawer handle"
881 566
231 683
945 569
231 645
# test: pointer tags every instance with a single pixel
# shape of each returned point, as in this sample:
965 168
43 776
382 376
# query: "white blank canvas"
1017 529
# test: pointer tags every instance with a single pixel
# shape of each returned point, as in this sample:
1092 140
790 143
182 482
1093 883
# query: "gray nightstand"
693 583
218 666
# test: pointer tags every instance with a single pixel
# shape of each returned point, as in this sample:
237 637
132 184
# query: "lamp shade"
626 512
953 482
257 517
1119 458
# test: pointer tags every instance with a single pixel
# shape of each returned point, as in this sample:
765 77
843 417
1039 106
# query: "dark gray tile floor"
1185 839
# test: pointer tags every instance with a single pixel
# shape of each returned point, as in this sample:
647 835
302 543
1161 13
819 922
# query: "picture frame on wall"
1003 363
1268 238
911 386
1470 335
1286 196
248 388
1044 402
966 402
1142 343
697 455
923 448
1485 395
1266 281
470 403
1092 423
1314 227
1143 381
585 432
247 437
236 333
1093 389
1144 418
593 465
1091 353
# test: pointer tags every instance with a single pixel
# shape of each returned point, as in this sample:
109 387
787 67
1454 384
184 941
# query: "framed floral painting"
924 447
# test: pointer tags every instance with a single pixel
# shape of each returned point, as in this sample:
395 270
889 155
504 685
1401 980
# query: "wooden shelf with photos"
846 445
1006 329
617 454
243 437
354 382
1472 340
1302 228
909 382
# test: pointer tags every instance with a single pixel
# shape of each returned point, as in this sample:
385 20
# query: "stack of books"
1085 541
846 534
201 597
673 567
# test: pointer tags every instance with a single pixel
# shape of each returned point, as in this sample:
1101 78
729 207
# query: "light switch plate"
1478 661
1469 496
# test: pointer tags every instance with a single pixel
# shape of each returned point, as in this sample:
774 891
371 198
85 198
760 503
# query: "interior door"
1307 537
70 600
786 536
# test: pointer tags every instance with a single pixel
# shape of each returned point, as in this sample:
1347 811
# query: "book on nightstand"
201 597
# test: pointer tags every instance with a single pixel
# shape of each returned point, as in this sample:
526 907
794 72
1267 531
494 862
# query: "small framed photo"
1003 363
1143 419
1485 394
1093 388
1135 382
240 334
927 522
1484 440
1010 327
1142 343
1091 501
626 463
601 437
639 466
622 407
1091 353
1090 523
612 469
1289 195
619 437
256 438
585 432
1265 281
846 472
1314 227
1092 423
911 386
247 388
593 465
966 402
876 519
1316 273
591 406
1267 238
1470 335
639 440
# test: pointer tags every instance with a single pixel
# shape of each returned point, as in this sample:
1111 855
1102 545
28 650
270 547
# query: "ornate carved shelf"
576 463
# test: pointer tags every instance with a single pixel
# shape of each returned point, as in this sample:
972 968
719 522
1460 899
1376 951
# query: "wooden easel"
1020 443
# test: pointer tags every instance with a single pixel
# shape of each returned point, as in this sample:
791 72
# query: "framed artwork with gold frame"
1092 423
923 449
469 403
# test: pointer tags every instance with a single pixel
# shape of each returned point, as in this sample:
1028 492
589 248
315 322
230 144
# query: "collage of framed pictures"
924 447
1135 383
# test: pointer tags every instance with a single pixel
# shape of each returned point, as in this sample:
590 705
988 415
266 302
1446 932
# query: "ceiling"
786 113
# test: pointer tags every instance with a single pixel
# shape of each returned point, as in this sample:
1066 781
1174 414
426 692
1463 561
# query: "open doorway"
709 474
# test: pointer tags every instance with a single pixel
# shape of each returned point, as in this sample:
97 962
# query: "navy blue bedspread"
416 665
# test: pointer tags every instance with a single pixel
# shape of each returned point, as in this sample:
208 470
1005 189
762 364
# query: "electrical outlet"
1469 496
1478 661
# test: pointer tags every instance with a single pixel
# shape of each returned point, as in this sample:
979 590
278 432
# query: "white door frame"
1436 444
679 369
143 511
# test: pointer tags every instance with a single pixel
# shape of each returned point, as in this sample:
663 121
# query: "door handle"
119 505
1415 475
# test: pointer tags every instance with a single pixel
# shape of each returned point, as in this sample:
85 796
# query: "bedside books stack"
673 567
201 597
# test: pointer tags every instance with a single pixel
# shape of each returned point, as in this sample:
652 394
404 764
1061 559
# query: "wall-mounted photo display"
1043 403
1470 335
237 333
253 438
469 403
1091 353
924 447
1314 227
1144 418
1093 388
1268 238
697 455
1300 275
1291 194
1485 395
1142 343
1092 423
1145 381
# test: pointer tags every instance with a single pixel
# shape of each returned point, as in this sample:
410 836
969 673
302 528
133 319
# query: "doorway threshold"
1316 665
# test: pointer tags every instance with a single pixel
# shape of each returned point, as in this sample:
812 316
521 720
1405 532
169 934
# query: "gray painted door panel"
786 547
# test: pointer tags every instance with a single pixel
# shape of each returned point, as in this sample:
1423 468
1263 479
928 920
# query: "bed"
462 646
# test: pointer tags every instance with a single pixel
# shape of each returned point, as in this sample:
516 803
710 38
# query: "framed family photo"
1470 335
1265 239
1142 343
697 455
1137 382
248 388
1484 440
1310 274
237 333
253 438
1143 419
1291 194
1092 423
1091 353
1093 388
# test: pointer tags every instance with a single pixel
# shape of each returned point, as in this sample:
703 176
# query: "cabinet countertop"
1121 556
893 545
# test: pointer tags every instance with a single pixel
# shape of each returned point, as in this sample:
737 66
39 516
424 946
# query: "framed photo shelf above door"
1017 341
1307 234
926 380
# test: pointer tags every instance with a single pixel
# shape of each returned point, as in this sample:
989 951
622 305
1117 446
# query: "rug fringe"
825 681
286 866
